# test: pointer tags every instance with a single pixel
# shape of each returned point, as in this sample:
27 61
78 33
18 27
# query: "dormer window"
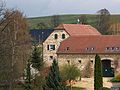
67 48
56 36
86 49
63 36
107 48
117 48
92 49
113 48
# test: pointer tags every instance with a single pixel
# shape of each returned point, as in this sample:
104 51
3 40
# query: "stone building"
78 44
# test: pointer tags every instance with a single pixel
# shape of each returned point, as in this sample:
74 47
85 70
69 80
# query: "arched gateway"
108 71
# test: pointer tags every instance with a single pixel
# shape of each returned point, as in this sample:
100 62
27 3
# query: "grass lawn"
91 18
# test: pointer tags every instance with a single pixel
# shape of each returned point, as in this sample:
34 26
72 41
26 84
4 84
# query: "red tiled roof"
90 44
78 29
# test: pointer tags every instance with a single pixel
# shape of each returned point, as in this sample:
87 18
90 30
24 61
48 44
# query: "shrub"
116 78
70 73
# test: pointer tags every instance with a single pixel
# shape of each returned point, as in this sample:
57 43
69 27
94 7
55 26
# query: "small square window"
68 61
107 48
117 48
51 57
67 48
91 61
52 47
79 61
92 48
86 49
113 48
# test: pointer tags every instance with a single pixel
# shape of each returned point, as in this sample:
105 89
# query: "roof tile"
78 29
90 44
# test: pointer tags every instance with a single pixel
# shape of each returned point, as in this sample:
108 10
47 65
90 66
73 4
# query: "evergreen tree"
98 80
53 80
27 84
37 60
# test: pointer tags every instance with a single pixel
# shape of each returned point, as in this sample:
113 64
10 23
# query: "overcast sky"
34 8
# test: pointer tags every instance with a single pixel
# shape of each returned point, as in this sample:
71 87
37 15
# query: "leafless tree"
83 19
103 21
55 20
14 46
87 71
116 64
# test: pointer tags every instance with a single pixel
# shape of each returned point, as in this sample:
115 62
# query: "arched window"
56 36
63 36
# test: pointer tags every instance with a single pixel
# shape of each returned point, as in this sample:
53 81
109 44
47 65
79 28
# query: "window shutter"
47 47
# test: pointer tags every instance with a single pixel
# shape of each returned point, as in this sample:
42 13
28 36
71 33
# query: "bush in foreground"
116 78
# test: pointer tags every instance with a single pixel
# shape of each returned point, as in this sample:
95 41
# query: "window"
117 48
79 61
86 49
52 47
113 48
92 49
107 48
51 57
63 36
56 36
67 48
68 61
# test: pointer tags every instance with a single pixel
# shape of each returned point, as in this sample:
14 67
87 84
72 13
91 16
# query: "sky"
36 8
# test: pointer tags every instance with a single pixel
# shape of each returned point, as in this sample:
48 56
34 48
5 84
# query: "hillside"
68 19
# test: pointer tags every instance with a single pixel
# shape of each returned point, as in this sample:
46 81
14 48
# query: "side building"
81 50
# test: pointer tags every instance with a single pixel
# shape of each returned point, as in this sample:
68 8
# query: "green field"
68 19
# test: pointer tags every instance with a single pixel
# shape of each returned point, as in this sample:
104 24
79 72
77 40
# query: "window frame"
55 36
63 36
51 47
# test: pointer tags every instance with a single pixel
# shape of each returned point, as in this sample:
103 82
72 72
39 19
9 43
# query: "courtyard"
88 83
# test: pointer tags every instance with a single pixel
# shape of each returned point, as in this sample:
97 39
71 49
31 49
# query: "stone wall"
81 60
51 40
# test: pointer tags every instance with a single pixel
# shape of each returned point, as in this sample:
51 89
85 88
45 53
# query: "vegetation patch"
116 78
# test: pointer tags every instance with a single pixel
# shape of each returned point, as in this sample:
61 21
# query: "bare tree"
116 64
87 71
103 21
114 26
83 19
14 46
55 20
